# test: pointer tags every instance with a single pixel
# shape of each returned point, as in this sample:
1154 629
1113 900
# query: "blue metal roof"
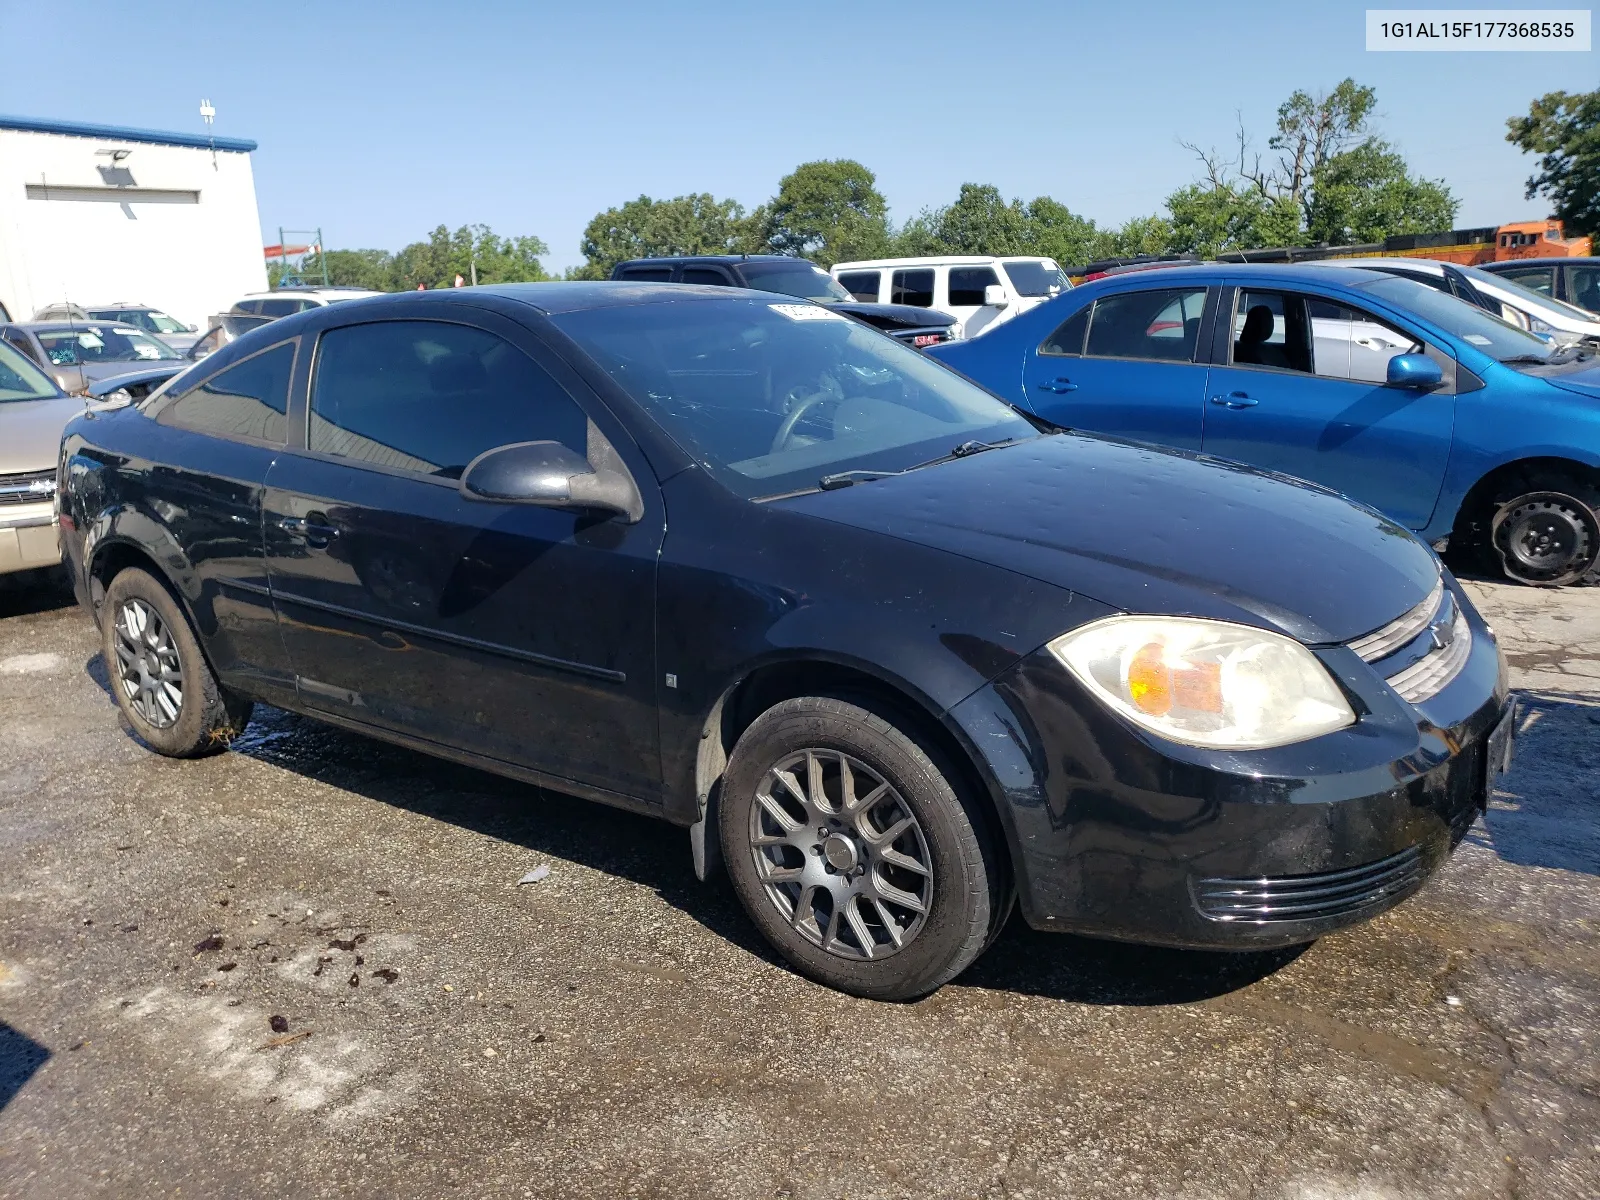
122 133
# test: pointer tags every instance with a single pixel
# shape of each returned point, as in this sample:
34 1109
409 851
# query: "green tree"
372 269
982 221
1055 230
1366 194
646 228
1221 215
1565 131
828 211
436 262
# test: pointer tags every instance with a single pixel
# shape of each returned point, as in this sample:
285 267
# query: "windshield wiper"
1538 360
841 479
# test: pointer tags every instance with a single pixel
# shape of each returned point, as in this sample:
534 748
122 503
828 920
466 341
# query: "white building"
98 214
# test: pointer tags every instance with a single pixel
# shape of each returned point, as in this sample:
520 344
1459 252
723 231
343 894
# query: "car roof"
1422 266
1534 262
68 326
572 296
672 260
1288 274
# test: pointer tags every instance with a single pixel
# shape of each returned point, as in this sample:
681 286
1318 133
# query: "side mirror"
994 296
1414 371
191 329
549 475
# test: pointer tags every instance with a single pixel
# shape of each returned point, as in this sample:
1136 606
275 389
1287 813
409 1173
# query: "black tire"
140 655
1544 530
970 887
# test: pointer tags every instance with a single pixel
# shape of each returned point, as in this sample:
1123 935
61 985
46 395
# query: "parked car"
76 354
1574 280
982 291
284 302
169 329
790 276
1455 424
33 413
902 653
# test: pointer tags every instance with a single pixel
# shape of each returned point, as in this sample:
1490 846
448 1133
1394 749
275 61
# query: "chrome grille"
27 487
1426 678
1423 678
1383 642
1265 899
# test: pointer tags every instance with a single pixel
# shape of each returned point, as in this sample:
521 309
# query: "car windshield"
21 380
771 398
793 279
1471 324
1524 296
101 343
1036 277
152 319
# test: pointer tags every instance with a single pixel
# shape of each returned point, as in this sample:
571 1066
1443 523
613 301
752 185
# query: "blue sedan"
1454 423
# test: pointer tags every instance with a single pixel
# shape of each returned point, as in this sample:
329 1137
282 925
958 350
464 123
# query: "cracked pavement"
304 968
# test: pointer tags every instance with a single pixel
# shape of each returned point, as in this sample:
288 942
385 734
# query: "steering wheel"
804 405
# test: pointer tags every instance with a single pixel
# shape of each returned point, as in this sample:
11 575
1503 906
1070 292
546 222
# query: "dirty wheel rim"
148 668
1546 537
840 855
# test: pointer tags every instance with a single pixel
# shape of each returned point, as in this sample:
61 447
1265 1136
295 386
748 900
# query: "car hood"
894 316
1148 530
1584 381
30 432
97 371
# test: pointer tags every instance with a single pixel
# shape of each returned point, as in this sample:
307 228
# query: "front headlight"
1206 683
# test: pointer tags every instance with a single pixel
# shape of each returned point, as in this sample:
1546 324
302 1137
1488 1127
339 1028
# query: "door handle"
1235 400
313 527
1061 384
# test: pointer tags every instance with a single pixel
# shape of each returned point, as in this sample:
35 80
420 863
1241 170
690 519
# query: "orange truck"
1467 247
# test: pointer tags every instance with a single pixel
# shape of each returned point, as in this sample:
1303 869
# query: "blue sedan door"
1126 365
1299 388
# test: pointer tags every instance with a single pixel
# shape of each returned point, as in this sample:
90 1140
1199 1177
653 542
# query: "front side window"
646 274
1583 285
247 400
21 380
967 284
862 285
1270 329
1536 279
1162 324
1350 344
912 287
796 278
429 396
281 307
708 275
20 340
101 343
771 398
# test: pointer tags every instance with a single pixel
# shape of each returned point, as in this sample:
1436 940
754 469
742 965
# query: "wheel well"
1472 519
110 561
761 689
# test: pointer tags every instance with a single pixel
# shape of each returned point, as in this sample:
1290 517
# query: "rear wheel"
159 676
1545 532
852 851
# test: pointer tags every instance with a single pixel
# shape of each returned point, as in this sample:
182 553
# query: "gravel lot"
304 968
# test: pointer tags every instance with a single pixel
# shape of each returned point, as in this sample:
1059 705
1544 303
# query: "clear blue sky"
378 121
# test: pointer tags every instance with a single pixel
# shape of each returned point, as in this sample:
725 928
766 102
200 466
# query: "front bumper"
1116 833
29 537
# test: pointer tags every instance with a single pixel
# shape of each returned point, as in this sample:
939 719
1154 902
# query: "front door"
1303 392
1126 365
522 633
965 299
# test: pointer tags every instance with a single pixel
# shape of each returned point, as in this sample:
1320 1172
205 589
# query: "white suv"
979 290
285 302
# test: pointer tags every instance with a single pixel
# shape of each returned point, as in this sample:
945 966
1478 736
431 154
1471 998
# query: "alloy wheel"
840 855
148 668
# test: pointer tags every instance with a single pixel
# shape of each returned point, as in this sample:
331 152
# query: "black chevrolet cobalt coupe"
894 654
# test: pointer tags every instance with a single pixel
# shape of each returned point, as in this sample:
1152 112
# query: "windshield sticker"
90 339
806 312
1477 339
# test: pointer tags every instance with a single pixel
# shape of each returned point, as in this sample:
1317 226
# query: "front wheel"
159 676
1546 532
853 852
